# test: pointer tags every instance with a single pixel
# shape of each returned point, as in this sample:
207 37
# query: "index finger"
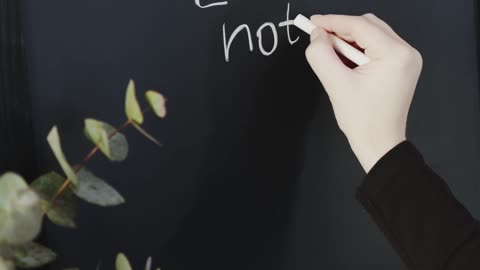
366 34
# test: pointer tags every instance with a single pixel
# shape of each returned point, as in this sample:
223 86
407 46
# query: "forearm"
419 215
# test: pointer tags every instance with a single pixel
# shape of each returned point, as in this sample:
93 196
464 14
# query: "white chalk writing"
275 38
228 41
232 37
211 5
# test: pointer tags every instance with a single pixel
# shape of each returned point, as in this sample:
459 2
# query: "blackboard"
254 173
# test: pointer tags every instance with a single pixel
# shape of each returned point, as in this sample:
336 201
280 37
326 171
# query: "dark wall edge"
16 132
477 27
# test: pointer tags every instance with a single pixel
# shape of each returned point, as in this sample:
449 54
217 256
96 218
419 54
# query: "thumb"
324 60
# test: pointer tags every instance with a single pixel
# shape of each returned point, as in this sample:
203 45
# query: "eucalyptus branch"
83 163
55 196
95 149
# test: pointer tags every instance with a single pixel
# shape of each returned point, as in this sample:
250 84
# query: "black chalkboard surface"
254 173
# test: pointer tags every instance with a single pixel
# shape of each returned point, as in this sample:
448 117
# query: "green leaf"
96 191
99 265
118 143
146 134
33 255
6 264
54 141
6 251
96 133
132 108
122 262
148 264
62 212
157 102
114 148
20 213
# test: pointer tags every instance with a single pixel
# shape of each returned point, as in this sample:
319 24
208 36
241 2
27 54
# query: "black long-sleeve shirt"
418 213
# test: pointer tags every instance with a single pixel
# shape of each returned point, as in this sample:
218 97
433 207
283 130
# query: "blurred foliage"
22 207
122 263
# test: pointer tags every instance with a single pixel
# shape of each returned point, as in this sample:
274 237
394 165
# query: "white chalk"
339 44
285 23
304 24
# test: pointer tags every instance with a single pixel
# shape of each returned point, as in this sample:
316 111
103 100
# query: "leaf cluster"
22 207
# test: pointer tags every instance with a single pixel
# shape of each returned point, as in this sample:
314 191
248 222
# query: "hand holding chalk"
340 45
371 102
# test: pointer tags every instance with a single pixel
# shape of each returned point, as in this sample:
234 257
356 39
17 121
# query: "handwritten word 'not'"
268 26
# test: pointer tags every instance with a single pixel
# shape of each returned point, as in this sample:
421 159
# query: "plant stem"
84 163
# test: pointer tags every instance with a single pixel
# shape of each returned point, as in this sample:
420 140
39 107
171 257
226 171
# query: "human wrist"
369 152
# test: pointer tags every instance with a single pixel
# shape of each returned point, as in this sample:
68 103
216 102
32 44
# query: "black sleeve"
418 213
